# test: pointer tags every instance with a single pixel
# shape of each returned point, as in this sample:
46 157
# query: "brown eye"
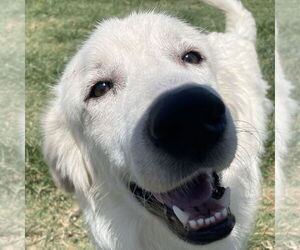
192 57
100 88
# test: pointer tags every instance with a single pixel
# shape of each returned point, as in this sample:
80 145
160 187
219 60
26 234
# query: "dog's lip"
183 220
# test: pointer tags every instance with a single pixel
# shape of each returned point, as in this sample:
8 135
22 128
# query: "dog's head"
141 103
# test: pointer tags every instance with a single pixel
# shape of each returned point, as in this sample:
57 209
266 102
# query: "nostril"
154 132
217 114
165 129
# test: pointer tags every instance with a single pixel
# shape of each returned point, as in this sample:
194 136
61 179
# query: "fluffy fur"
88 144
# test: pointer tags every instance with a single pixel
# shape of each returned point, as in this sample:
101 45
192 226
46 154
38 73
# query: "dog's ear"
62 154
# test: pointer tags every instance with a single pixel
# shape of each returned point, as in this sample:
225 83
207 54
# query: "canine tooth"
193 224
200 222
224 212
212 219
181 215
207 221
218 215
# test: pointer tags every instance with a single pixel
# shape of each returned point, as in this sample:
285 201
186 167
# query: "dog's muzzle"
189 124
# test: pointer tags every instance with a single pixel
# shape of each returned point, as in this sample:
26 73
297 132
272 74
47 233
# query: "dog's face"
142 95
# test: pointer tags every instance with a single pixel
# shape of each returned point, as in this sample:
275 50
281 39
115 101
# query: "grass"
54 31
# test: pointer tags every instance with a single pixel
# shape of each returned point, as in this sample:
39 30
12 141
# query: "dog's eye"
100 88
192 57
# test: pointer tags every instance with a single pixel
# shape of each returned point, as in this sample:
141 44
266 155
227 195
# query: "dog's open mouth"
198 211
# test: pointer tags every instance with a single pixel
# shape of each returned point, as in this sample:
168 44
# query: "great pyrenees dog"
157 128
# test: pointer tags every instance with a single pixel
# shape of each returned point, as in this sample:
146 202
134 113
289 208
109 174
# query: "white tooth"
225 200
193 224
218 215
181 215
224 212
212 219
207 221
200 222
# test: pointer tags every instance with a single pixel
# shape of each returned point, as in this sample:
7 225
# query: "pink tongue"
192 194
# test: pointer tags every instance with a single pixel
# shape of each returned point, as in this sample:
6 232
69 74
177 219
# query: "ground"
54 31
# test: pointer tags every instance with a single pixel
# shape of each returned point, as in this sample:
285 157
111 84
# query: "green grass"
54 31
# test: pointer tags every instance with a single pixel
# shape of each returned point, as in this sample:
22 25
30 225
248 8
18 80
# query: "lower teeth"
205 222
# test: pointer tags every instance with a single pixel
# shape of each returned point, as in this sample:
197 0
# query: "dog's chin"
197 211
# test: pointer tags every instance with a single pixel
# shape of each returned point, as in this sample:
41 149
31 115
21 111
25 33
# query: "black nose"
187 122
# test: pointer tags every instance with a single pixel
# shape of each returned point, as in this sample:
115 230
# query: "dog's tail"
238 19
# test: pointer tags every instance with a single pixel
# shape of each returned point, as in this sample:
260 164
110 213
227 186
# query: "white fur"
87 144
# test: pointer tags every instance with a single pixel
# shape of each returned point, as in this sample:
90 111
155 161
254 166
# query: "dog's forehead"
141 33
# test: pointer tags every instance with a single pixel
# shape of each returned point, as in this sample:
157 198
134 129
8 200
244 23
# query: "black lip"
198 237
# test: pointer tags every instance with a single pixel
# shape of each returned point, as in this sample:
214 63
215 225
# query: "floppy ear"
62 154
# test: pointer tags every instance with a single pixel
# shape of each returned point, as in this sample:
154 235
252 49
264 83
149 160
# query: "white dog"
157 128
